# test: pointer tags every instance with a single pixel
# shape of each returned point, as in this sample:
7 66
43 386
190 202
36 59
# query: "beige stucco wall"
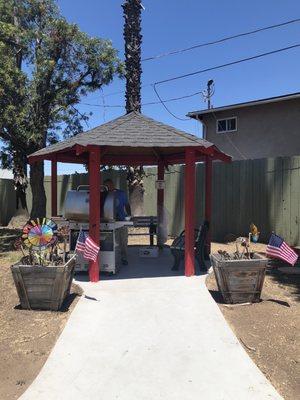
266 130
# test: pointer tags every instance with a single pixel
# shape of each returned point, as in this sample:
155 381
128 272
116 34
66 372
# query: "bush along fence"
265 191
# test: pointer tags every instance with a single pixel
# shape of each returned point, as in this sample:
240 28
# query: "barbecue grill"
77 212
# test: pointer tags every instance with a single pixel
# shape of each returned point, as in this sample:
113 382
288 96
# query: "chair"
177 247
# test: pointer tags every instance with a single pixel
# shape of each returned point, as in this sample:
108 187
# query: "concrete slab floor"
148 334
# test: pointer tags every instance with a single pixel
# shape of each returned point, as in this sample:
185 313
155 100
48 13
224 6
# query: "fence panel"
7 200
266 192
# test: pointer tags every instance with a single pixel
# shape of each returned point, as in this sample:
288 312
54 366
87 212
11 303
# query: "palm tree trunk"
133 42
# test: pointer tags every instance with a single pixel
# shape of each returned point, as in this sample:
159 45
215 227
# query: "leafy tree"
46 66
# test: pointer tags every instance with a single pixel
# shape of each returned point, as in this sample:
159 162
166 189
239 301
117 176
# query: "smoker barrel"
77 205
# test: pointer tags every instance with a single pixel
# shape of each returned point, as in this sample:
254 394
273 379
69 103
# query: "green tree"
46 66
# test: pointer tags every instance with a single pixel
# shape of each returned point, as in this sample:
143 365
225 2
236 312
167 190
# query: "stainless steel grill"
77 212
77 204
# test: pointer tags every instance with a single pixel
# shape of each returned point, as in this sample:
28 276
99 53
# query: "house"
255 129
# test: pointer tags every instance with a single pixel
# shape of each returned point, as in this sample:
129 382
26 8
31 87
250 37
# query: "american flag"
80 244
277 248
91 249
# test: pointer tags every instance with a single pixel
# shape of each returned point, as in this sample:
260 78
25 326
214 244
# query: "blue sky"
169 25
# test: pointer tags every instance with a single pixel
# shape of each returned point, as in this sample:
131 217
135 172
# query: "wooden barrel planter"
43 288
240 281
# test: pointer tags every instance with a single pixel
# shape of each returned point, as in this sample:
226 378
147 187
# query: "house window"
226 125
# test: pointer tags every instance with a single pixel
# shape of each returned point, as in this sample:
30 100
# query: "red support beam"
189 191
208 197
133 159
218 155
80 149
53 188
32 159
160 196
209 151
94 205
71 159
180 158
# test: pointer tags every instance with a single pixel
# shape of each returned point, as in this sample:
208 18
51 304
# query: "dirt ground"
26 337
270 330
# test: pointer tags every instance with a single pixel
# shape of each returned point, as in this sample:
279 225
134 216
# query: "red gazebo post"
94 204
160 196
54 187
208 197
189 192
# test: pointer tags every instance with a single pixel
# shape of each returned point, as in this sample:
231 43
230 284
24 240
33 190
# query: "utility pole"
210 92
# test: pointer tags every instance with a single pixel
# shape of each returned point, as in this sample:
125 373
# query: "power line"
104 105
163 104
229 64
200 72
123 91
196 73
145 104
227 38
222 40
229 139
213 68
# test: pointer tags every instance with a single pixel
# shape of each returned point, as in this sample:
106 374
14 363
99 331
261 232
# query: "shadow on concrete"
217 296
139 267
68 302
64 308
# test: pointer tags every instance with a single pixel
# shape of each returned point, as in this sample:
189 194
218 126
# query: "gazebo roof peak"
130 134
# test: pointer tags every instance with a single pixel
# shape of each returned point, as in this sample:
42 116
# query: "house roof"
291 96
131 134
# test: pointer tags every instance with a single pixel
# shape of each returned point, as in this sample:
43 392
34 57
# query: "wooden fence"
266 192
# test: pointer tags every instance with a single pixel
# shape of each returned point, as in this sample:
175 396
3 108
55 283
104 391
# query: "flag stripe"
92 246
279 249
91 249
276 252
87 246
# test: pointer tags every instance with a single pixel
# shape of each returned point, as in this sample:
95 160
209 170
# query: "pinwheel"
38 234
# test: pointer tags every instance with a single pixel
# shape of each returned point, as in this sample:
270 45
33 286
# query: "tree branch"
79 113
10 138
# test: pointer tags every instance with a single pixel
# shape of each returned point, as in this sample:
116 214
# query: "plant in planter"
240 275
43 277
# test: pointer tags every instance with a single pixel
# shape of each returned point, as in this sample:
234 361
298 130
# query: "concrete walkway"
148 338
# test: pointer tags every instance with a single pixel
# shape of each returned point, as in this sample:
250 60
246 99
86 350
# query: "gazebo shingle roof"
132 133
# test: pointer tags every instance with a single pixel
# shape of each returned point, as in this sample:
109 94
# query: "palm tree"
133 42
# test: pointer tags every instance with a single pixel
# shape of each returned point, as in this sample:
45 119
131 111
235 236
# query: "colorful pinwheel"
38 234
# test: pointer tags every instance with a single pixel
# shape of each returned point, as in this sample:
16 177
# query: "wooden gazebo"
134 139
